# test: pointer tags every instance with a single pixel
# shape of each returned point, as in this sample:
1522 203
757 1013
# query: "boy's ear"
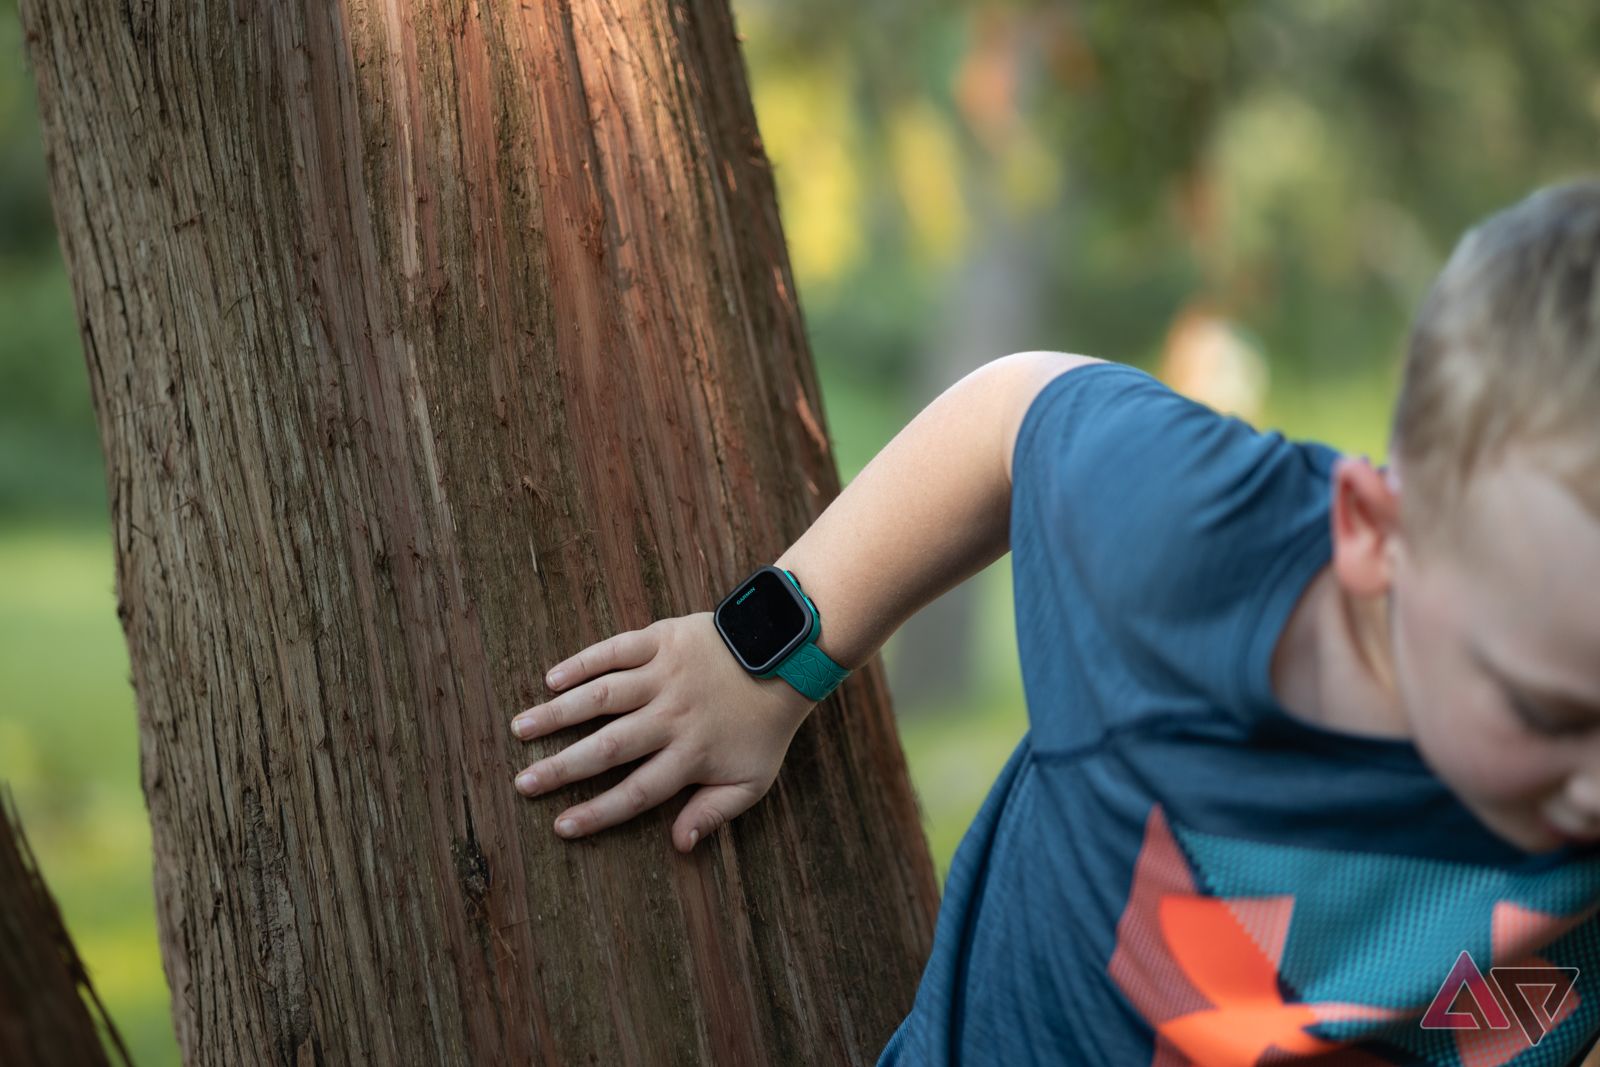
1366 524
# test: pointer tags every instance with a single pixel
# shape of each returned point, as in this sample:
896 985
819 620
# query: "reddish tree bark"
430 344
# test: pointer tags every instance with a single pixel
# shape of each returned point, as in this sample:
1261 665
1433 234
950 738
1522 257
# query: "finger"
621 741
617 652
709 809
651 784
609 694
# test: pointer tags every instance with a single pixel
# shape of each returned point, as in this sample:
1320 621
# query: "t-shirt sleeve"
1158 547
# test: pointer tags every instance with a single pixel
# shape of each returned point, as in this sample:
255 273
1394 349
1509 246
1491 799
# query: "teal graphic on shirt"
1236 951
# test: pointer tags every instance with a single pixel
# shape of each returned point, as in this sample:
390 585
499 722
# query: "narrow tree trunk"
430 344
43 1018
989 306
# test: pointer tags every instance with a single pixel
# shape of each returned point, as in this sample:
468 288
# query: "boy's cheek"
1482 754
1461 728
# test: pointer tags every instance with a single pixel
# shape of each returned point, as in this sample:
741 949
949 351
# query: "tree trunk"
430 344
989 305
43 1018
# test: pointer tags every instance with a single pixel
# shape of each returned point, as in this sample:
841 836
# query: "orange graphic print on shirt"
1207 971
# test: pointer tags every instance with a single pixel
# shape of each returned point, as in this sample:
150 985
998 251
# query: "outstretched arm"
931 509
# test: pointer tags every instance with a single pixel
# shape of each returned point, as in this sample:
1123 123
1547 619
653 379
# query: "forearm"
929 511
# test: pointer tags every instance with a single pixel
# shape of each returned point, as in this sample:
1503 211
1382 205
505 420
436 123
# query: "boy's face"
1496 650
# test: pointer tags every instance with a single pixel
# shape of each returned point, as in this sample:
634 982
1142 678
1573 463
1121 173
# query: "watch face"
763 620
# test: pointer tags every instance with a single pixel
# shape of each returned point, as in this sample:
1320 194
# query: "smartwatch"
771 627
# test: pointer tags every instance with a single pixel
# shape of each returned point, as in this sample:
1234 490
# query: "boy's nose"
1583 794
1577 809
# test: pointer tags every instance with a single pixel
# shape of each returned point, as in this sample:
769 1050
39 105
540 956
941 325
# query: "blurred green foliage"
1299 166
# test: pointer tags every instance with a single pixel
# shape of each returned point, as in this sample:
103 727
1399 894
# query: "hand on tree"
681 696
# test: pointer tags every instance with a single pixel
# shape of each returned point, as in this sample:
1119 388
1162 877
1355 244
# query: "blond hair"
1505 352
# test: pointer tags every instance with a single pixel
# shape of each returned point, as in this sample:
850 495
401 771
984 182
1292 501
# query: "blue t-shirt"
1172 869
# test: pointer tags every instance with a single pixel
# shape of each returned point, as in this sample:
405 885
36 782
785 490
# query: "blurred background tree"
1245 197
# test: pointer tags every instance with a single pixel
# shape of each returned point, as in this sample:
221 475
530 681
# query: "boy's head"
1505 354
1482 546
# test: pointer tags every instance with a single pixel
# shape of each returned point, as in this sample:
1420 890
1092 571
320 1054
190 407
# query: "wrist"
843 638
771 625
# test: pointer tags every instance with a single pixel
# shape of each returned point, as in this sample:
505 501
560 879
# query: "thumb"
706 812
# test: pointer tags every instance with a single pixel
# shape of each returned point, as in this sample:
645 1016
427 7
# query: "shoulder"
1028 375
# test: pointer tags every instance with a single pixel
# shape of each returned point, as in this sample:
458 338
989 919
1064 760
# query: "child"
1310 757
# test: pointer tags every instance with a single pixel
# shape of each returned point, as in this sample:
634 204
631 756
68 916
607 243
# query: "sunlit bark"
430 344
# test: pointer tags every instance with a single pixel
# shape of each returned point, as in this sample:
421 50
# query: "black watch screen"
763 620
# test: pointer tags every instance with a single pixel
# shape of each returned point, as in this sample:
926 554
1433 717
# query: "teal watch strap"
812 671
809 669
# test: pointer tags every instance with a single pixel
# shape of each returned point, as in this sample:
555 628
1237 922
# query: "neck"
1359 693
1334 667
